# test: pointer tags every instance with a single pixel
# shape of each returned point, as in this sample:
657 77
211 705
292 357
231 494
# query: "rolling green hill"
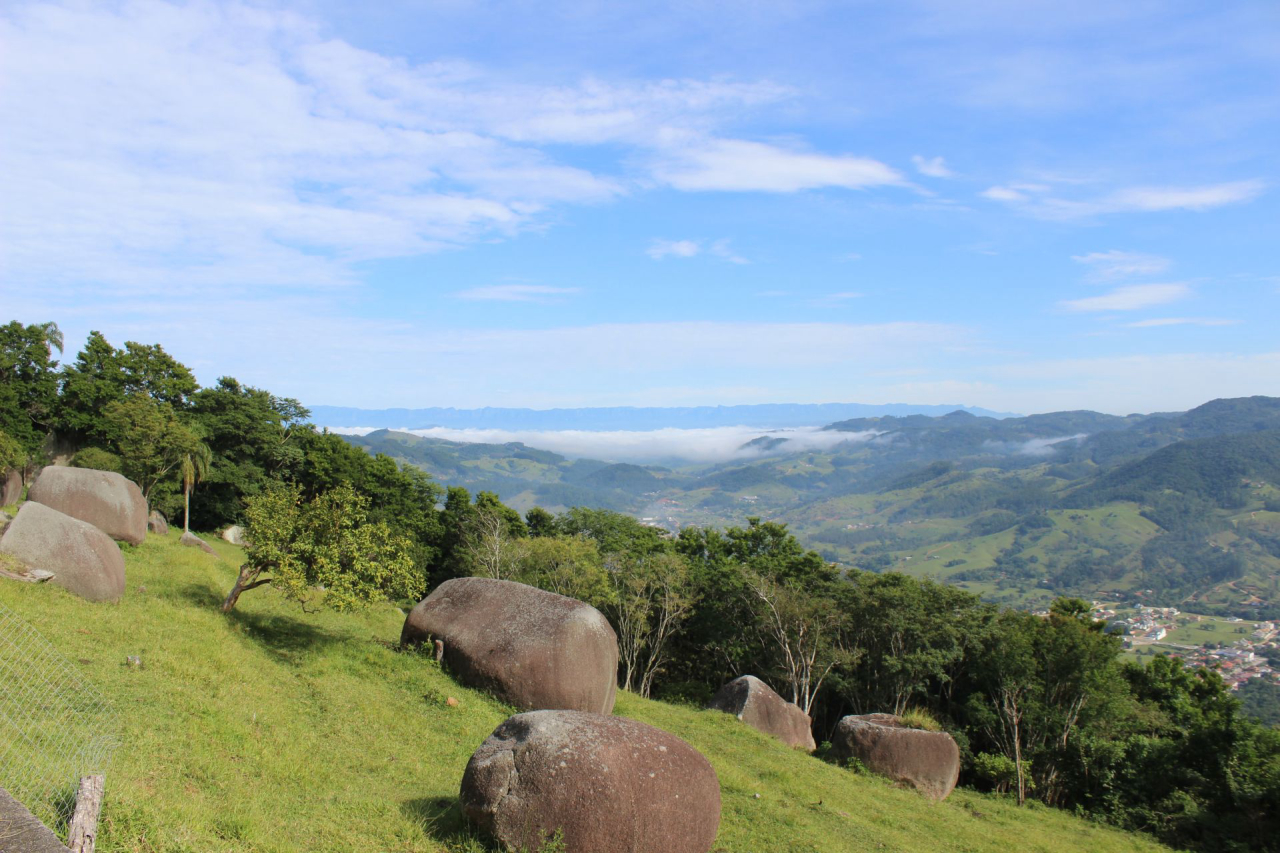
1176 508
275 730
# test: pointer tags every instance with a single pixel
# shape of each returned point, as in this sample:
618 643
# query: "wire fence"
55 726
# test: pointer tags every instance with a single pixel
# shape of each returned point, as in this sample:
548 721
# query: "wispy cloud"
736 165
1130 298
515 293
660 249
721 249
933 167
1040 200
1114 264
1181 321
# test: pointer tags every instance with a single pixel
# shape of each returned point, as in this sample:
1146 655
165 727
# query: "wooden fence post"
84 821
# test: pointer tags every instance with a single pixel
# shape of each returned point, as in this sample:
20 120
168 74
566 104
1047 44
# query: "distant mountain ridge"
764 415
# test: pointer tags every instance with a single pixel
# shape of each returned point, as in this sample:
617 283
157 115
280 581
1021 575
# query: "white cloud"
716 444
660 249
934 167
1114 264
150 144
737 165
1181 321
515 293
1184 198
1002 194
722 249
1130 298
838 298
1037 199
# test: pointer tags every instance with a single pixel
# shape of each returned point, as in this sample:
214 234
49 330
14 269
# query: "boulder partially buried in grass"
604 784
105 499
929 761
756 704
534 649
81 557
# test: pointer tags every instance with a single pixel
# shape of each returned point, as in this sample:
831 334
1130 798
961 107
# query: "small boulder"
534 649
10 486
193 541
929 761
756 704
608 784
157 524
235 535
82 558
105 499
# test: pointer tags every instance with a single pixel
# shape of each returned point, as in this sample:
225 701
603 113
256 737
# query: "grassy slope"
273 730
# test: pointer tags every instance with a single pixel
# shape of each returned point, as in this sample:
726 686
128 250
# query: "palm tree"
194 468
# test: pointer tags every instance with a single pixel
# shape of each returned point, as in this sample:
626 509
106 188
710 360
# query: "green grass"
274 730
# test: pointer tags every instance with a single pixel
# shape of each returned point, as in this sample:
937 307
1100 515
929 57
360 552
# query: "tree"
323 550
802 632
490 547
151 439
11 453
653 597
28 383
193 468
255 438
567 565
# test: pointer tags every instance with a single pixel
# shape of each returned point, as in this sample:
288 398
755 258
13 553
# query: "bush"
919 718
998 771
97 459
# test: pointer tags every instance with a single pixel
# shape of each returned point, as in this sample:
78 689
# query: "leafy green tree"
11 453
567 565
653 596
102 374
540 522
324 550
28 383
88 385
255 438
151 439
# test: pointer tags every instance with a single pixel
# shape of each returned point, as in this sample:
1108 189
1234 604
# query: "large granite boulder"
193 541
105 499
608 784
10 486
235 535
82 558
756 704
534 649
156 523
929 761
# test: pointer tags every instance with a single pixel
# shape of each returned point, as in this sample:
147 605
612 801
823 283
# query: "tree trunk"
242 583
186 510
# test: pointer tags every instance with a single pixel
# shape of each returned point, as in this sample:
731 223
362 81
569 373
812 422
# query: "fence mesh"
55 726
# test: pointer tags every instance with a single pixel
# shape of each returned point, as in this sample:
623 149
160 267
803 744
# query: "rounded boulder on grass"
602 784
928 761
532 648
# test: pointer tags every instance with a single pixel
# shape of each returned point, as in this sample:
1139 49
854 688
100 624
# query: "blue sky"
1026 205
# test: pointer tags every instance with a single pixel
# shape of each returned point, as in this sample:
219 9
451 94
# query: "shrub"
98 459
919 718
